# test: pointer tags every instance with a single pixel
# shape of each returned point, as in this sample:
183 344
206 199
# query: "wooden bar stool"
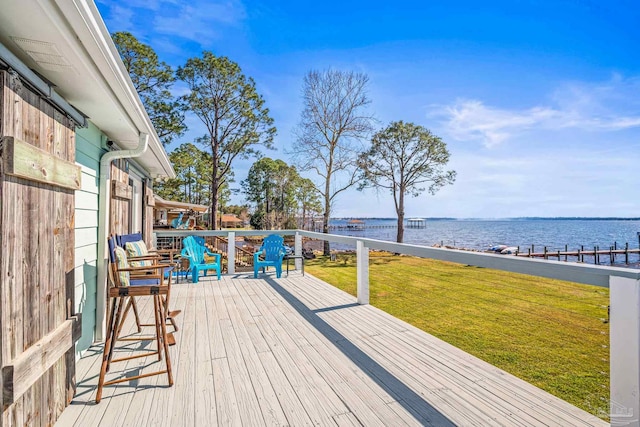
124 287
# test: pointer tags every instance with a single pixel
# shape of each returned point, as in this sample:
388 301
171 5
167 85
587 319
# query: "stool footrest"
121 380
149 338
137 356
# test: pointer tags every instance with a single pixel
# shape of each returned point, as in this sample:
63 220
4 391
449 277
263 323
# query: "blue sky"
538 101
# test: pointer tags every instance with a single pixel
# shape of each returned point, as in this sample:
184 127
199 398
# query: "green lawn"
548 332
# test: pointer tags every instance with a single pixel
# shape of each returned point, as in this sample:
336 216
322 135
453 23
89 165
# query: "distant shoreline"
524 218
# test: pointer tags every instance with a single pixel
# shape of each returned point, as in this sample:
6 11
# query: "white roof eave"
97 82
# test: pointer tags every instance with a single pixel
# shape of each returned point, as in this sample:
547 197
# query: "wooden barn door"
38 326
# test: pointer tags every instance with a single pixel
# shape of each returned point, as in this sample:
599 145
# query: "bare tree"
403 158
328 137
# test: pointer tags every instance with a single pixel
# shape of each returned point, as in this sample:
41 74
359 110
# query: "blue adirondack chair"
272 251
193 248
177 223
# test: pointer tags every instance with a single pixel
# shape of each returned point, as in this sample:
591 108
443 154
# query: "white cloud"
471 119
196 20
199 21
123 16
604 107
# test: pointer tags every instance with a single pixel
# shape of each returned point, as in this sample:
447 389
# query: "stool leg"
130 303
167 358
159 320
174 324
135 313
106 351
115 331
167 311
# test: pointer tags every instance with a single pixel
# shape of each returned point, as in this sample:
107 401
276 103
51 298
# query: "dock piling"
626 253
579 254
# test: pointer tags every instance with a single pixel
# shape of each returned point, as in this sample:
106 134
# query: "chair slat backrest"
273 247
194 249
123 239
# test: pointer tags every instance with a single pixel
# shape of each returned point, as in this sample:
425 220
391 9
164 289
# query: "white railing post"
624 331
297 250
231 252
362 268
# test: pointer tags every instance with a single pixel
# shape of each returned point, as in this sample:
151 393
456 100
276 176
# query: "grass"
548 332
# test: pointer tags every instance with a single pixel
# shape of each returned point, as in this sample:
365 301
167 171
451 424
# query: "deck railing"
623 284
243 258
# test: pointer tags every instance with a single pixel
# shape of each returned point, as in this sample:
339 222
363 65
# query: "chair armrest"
139 257
208 252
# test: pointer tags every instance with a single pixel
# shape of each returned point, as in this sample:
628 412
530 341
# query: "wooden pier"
360 227
596 254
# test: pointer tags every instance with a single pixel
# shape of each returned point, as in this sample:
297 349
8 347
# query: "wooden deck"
297 351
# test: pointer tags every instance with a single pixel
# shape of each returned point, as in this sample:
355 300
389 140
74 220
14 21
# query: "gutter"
104 208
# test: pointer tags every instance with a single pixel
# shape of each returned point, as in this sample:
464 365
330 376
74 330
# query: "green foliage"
257 220
272 187
403 158
309 203
237 210
188 162
233 112
153 80
192 183
169 190
548 332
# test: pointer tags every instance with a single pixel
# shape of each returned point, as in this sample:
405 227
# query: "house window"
135 213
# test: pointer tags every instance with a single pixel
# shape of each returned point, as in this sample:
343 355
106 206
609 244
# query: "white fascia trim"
100 47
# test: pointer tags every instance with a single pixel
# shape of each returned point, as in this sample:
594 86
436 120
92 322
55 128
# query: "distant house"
231 221
79 156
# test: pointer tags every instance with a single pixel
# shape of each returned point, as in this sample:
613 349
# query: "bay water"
481 234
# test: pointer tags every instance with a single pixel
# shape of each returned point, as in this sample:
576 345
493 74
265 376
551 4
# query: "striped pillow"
138 249
121 262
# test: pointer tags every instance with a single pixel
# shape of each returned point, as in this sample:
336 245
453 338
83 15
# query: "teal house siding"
89 142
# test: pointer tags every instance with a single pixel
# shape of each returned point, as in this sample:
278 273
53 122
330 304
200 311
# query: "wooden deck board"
414 343
296 351
427 367
204 399
184 368
264 391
